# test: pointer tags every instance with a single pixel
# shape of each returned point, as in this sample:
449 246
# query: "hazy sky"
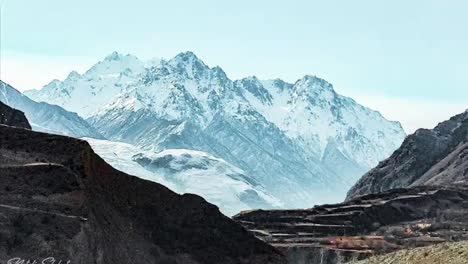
407 59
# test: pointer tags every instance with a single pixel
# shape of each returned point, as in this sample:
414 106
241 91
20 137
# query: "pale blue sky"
408 59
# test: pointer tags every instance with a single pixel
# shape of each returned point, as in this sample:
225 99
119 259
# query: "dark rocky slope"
59 199
12 117
427 157
372 224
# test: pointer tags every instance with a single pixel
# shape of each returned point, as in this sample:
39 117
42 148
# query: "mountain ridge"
45 117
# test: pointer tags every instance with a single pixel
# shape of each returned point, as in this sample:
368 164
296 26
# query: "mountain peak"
73 75
186 55
252 78
188 63
116 56
54 83
312 82
116 63
219 72
186 58
314 78
256 88
113 56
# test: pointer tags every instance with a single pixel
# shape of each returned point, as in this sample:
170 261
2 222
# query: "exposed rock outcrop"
12 117
375 223
427 157
58 199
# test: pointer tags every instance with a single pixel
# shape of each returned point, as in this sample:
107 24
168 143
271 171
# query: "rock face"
375 223
45 117
58 199
12 117
428 157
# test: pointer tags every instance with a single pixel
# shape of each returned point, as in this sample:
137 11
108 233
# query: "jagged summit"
113 56
117 56
314 79
219 72
187 56
315 85
73 75
114 65
256 88
189 65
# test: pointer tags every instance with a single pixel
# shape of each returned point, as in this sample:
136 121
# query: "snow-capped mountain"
325 123
189 171
48 118
303 142
94 88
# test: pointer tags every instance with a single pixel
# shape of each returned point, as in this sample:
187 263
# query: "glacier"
189 171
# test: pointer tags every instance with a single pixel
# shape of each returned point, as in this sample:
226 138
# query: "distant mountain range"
45 117
301 143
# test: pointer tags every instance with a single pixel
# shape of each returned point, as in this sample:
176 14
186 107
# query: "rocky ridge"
436 156
12 117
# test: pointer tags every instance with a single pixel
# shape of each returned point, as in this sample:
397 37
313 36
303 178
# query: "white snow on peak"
311 111
84 94
116 64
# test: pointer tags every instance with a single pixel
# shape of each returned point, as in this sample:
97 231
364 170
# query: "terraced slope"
372 224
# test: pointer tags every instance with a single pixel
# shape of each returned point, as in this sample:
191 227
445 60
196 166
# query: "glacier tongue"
189 171
303 142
